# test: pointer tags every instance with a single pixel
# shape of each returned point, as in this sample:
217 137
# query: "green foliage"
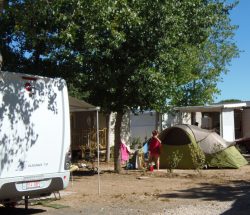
174 160
197 156
122 54
229 101
142 52
136 143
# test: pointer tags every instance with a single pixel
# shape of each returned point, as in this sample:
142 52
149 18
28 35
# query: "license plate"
31 185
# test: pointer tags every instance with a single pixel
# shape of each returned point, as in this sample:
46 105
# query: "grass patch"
51 204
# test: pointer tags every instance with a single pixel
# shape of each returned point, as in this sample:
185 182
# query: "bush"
174 160
198 157
136 143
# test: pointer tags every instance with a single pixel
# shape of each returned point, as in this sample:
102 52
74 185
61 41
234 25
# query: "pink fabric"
124 153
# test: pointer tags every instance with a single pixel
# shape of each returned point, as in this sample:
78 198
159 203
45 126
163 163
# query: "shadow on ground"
237 191
19 211
83 173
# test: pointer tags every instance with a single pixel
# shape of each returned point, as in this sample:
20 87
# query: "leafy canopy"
123 53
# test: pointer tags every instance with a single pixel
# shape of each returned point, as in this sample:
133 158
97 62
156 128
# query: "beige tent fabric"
209 141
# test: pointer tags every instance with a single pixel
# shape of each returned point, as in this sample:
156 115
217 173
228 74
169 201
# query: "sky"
236 83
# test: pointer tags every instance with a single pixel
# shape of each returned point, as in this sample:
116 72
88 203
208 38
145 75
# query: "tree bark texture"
117 153
108 138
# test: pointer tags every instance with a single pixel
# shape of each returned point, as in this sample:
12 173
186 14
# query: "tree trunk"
117 154
157 120
1 61
108 138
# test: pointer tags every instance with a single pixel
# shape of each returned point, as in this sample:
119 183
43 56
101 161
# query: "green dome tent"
188 146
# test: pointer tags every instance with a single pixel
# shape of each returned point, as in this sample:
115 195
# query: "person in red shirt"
154 149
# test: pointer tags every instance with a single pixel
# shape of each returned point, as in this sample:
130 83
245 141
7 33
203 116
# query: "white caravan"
34 136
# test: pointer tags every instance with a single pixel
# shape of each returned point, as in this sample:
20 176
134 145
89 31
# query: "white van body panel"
34 130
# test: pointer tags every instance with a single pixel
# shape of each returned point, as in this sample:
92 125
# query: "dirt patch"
150 191
214 191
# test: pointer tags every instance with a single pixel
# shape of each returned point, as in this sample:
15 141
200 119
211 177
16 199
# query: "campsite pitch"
211 191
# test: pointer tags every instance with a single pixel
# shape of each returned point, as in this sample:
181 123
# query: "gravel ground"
185 192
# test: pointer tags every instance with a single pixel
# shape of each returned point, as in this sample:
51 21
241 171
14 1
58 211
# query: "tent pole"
98 150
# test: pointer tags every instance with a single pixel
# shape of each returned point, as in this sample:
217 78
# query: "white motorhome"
34 136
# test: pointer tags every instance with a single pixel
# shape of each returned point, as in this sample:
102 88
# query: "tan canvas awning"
77 105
